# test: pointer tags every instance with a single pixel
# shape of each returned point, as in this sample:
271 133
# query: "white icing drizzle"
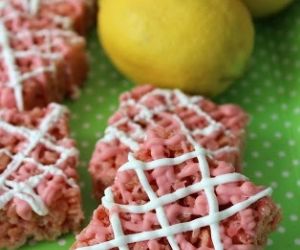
207 183
25 190
181 227
146 114
14 75
9 55
34 6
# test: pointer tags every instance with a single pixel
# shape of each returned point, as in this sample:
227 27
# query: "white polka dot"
297 242
260 108
255 154
113 91
274 184
271 99
274 117
114 75
281 229
112 108
244 83
294 217
282 154
298 183
270 242
74 116
100 99
266 144
263 126
252 135
103 67
292 142
86 125
257 92
278 135
258 174
285 174
247 100
89 90
73 134
98 134
61 242
87 108
82 164
297 110
268 82
295 162
287 124
284 106
293 93
270 164
289 195
280 90
99 116
85 144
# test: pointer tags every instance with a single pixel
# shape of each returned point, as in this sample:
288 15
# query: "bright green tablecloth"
270 92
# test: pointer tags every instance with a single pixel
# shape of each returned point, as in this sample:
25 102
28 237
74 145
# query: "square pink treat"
75 15
39 195
217 128
42 59
179 187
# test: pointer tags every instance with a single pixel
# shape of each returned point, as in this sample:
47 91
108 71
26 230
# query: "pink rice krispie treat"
172 193
40 61
218 128
39 195
75 15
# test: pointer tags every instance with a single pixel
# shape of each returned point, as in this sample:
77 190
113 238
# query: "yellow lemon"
262 8
199 46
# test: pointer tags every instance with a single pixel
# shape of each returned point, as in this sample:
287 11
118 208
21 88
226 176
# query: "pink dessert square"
217 128
179 187
39 195
42 59
75 15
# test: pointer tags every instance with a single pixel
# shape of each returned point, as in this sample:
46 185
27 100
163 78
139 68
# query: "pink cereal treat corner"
39 195
173 162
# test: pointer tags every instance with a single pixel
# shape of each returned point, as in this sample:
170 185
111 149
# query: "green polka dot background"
269 92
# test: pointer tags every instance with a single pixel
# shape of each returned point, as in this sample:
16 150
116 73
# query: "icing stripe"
206 184
178 194
182 227
25 190
15 80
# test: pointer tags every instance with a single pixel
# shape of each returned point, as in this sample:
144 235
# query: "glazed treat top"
219 129
36 159
30 46
172 186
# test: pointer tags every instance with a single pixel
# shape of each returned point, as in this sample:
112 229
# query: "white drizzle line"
207 183
9 56
15 79
25 190
145 114
33 6
213 218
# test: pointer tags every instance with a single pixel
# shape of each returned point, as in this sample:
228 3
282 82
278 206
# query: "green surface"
270 92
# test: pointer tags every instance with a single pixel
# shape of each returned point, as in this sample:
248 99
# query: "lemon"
198 46
262 8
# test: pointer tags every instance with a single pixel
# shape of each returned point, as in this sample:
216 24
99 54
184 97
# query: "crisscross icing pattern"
156 203
206 184
44 53
145 114
25 190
